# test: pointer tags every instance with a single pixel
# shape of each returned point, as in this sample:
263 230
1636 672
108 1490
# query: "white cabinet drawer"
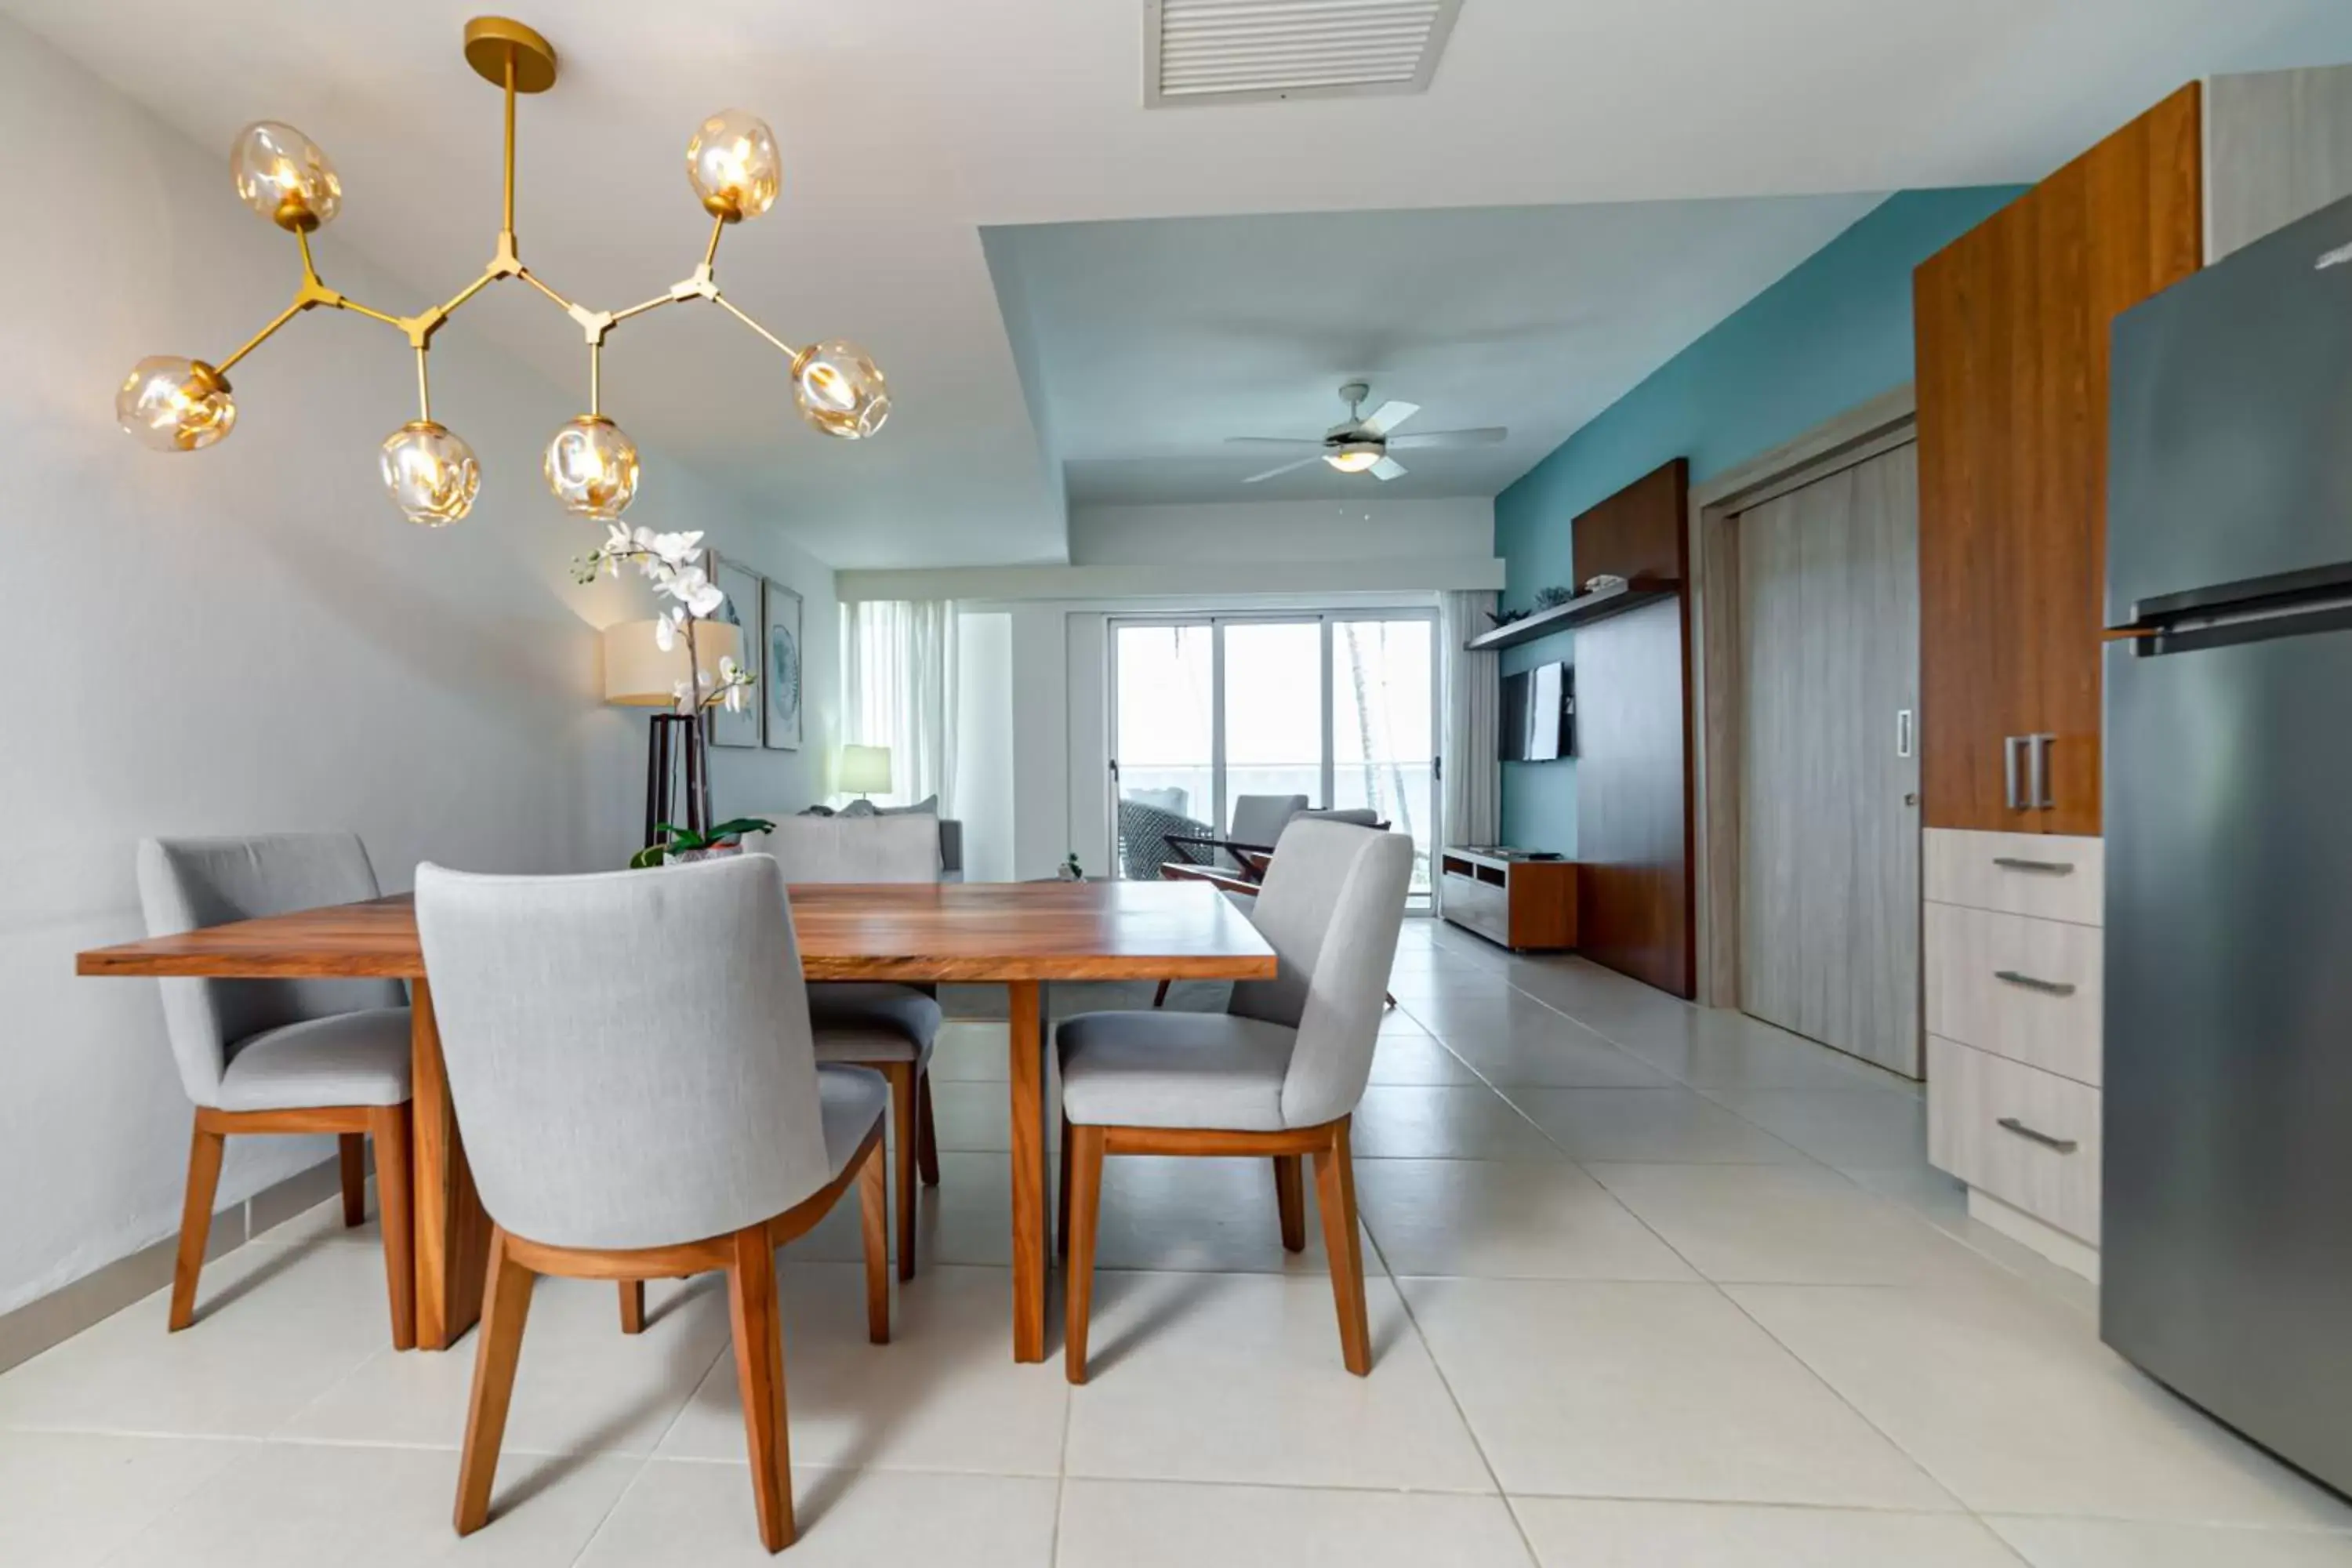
2024 988
2050 876
2027 1137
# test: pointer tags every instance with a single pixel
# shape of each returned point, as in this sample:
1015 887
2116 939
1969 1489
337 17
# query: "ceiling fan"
1359 445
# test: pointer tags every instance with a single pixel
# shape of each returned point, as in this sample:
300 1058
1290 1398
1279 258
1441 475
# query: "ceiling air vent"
1246 51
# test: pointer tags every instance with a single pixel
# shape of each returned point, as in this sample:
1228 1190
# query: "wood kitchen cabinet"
2012 327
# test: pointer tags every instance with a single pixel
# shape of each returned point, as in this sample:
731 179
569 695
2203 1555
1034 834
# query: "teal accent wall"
1833 332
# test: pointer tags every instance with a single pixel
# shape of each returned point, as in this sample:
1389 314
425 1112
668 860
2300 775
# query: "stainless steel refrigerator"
2227 1266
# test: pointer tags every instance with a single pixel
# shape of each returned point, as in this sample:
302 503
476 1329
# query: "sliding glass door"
1339 708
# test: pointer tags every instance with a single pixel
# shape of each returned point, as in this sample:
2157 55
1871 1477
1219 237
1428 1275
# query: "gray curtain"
1474 701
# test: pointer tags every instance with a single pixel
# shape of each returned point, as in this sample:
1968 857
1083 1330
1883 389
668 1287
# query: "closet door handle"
2036 1135
1902 732
2009 745
2050 988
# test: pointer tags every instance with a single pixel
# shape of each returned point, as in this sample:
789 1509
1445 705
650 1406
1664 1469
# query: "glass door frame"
1324 620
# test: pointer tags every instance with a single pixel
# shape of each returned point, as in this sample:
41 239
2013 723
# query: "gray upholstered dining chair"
875 1023
629 1058
1277 1074
283 1055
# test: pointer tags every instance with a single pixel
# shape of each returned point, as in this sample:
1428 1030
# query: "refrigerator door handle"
2009 745
2036 1135
2037 771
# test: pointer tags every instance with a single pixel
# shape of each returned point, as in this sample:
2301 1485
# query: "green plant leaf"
649 857
735 827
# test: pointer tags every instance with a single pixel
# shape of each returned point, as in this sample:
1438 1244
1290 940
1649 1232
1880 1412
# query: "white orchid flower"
704 601
666 633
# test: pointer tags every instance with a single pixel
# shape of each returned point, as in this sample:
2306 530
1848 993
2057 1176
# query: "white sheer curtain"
1473 703
898 689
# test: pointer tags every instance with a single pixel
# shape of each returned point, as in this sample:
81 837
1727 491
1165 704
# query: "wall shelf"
1580 610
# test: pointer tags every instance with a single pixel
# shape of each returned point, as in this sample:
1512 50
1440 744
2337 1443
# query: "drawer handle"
2050 988
2047 867
2063 1145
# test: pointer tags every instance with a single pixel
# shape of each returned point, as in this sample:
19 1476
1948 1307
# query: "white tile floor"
1649 1286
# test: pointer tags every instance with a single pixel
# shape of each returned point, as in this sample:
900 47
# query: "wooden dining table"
1021 935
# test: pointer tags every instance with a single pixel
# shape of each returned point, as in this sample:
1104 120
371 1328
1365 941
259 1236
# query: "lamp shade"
865 770
637 674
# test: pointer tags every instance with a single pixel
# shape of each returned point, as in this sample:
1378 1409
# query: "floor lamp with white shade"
639 674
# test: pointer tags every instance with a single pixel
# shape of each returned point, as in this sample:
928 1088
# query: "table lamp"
864 769
638 674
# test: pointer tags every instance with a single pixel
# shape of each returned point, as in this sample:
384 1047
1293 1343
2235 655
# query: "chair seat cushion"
852 1100
1210 1070
347 1058
863 1021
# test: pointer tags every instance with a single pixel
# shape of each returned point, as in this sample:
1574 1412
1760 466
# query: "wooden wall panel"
1639 532
2012 324
1633 797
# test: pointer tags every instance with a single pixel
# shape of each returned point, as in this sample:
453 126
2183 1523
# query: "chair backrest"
895 848
1332 906
629 1053
187 884
1360 816
1260 818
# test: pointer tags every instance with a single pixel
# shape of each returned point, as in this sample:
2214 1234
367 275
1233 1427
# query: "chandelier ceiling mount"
177 405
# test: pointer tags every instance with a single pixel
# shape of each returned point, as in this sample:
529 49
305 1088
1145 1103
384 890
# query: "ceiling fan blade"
1485 435
1274 441
1388 469
1388 417
1283 469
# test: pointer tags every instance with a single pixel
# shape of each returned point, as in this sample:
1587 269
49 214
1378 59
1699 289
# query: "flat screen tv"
1538 718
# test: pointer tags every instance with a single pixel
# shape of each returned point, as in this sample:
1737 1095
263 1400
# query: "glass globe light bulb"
840 390
175 405
430 474
733 166
283 175
591 467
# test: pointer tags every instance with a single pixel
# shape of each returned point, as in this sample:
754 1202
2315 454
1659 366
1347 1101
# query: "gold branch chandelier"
175 405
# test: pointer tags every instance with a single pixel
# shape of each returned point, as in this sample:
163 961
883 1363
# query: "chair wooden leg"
1335 1195
874 1215
389 1126
1290 1198
1083 1172
902 1137
506 1303
195 1222
927 1131
633 1306
1062 1204
760 1368
1160 997
353 1151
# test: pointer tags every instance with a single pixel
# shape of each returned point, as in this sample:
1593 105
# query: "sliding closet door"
1829 824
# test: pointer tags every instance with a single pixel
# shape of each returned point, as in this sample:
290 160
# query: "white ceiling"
909 124
1153 341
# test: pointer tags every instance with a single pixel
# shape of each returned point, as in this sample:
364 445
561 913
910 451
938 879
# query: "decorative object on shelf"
1069 871
737 727
669 562
863 770
177 405
684 844
1553 596
1599 582
1505 617
780 650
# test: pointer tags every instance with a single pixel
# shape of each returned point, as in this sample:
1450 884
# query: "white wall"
251 638
984 766
1282 532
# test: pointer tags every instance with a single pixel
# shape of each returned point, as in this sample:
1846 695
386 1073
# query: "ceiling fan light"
1355 457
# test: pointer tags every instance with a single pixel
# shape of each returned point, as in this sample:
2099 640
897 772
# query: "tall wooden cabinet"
2012 322
2012 334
